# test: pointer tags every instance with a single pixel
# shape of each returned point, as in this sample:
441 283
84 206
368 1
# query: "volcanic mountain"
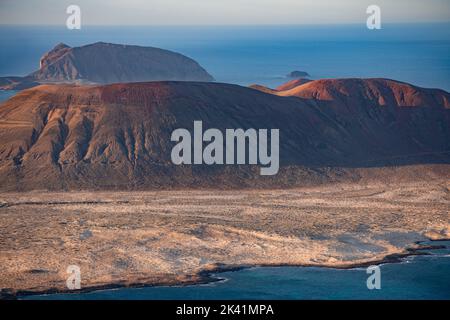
108 63
117 136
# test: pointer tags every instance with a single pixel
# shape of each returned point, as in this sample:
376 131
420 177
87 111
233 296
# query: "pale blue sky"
221 12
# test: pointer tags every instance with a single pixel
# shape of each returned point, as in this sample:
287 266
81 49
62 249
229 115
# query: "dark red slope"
118 136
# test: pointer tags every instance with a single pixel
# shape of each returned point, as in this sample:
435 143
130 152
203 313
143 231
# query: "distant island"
103 63
298 74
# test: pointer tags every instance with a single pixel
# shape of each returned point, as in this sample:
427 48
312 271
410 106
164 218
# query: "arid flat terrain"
164 237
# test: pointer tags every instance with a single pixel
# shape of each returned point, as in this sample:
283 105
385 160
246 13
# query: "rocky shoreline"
211 276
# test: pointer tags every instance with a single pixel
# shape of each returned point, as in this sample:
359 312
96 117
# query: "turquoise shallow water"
417 277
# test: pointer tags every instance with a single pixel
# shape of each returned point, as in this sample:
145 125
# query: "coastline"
211 276
138 239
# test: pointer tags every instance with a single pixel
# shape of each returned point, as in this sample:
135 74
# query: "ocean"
419 53
5 95
415 277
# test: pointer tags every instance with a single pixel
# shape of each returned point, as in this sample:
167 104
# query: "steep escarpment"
118 136
109 63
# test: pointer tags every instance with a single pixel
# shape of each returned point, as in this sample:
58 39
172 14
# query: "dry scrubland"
126 238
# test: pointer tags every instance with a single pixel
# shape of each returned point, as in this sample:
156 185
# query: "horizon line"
227 25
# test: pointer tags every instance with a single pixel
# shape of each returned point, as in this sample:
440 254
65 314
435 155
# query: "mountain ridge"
118 136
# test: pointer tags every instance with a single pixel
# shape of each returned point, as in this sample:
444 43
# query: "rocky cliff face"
53 55
104 63
118 136
108 63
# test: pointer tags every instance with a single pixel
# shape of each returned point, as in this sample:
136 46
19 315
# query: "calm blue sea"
5 95
419 54
417 277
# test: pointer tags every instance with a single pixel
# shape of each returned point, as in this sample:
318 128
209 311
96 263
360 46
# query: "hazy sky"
198 12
